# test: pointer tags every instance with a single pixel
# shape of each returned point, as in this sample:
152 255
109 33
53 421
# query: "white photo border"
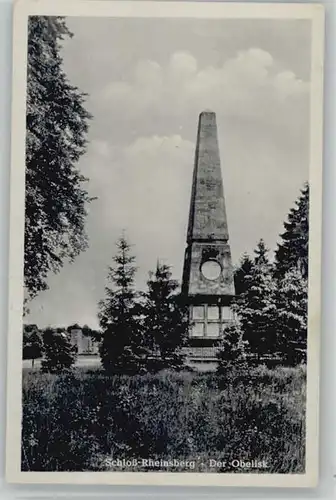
157 9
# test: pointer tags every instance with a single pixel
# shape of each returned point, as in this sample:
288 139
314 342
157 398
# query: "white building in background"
85 344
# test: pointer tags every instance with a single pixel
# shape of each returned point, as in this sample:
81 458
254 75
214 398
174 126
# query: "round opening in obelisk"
211 270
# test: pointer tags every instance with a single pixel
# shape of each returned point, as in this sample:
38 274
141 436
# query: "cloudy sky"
148 80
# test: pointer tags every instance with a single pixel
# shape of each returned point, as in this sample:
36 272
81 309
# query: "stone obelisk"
207 284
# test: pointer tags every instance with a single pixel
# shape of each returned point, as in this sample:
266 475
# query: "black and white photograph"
164 293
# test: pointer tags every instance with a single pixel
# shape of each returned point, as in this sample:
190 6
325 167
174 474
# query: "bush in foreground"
80 421
232 351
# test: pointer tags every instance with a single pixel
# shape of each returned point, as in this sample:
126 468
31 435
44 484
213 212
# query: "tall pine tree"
57 125
244 269
166 318
292 252
122 349
261 254
256 307
291 316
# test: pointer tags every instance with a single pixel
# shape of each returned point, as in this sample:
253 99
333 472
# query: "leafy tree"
232 349
86 330
32 343
57 125
166 319
89 332
256 307
293 250
122 348
59 354
291 316
244 269
75 326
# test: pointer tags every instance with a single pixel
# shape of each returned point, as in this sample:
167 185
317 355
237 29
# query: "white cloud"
183 64
250 84
101 148
287 84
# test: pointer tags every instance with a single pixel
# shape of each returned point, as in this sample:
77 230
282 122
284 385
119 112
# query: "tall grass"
77 422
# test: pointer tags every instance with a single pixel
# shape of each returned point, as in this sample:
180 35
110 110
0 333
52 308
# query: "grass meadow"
82 420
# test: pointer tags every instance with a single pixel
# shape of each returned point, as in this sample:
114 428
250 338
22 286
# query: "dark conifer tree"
293 249
166 318
291 316
261 254
59 355
122 349
256 307
244 269
57 125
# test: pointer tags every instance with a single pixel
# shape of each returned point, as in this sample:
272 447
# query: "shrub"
232 350
80 421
